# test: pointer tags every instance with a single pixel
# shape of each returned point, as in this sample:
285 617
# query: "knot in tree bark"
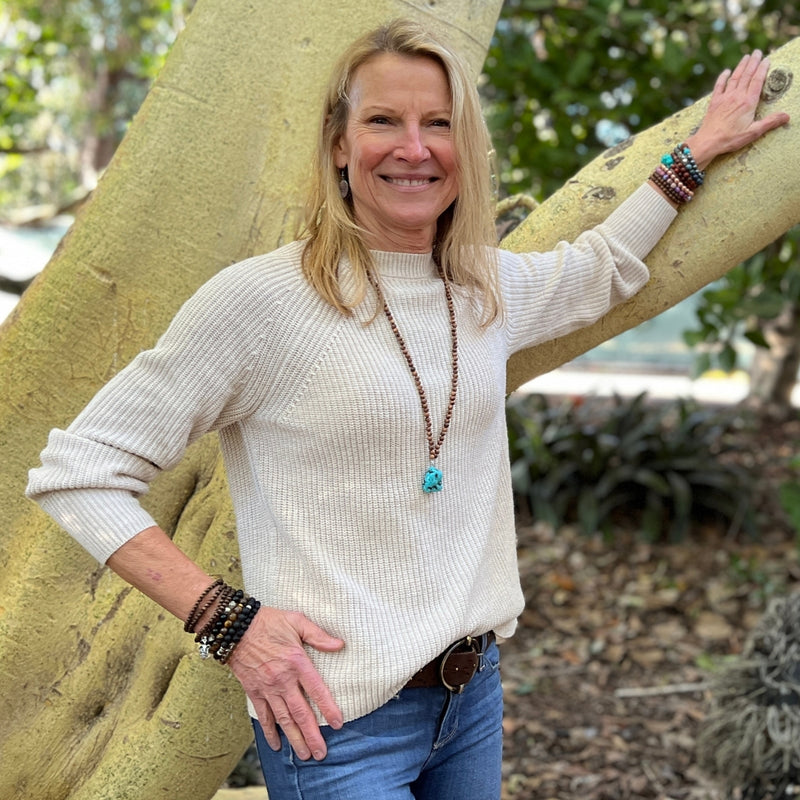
777 84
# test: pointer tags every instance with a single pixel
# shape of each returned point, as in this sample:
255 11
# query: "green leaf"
757 338
789 494
727 358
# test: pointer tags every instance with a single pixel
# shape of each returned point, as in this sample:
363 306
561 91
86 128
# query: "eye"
378 120
440 123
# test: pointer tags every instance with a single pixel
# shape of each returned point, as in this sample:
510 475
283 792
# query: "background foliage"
563 80
72 74
657 469
566 79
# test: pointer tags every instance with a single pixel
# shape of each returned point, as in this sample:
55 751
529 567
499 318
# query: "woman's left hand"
730 122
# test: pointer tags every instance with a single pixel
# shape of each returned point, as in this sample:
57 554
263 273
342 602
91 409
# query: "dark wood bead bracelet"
209 595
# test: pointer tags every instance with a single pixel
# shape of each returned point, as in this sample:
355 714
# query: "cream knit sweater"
324 441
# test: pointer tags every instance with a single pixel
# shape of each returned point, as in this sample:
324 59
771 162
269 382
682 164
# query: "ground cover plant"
659 466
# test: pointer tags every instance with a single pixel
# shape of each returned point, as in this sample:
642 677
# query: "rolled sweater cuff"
646 204
101 520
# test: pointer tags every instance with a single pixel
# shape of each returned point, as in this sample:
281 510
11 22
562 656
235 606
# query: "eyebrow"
388 110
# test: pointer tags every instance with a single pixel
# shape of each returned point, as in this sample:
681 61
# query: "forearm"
272 665
158 568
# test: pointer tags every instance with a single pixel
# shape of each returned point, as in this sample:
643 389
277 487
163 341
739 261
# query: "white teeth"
404 182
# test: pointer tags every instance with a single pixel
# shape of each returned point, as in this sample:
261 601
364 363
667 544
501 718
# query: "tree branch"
749 199
23 151
658 691
13 286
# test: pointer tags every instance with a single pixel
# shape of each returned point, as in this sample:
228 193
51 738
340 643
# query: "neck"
420 241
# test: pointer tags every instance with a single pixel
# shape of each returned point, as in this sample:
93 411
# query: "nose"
411 146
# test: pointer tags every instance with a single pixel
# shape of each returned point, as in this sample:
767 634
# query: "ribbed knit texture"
324 442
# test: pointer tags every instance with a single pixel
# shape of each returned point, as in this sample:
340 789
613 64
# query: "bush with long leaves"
661 467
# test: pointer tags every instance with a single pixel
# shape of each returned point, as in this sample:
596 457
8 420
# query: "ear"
339 155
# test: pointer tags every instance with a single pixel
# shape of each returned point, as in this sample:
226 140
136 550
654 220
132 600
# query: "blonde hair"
465 233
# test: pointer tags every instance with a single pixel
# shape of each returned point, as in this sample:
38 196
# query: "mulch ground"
606 679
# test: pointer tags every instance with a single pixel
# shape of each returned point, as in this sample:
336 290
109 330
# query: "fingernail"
318 755
337 724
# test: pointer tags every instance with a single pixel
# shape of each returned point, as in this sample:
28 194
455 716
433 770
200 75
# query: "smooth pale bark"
750 198
101 695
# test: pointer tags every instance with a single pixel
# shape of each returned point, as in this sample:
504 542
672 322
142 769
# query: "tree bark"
773 373
749 199
101 694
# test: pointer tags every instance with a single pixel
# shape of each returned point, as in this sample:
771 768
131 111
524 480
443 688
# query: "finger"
771 122
751 66
292 718
741 68
267 722
317 690
722 81
757 78
306 723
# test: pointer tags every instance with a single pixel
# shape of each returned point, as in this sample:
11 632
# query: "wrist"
220 617
677 175
702 151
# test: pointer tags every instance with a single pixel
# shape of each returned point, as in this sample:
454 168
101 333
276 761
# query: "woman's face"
398 150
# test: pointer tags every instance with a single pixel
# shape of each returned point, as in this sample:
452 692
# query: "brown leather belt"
455 667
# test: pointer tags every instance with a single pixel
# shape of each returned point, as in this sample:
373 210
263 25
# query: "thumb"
319 639
762 126
775 121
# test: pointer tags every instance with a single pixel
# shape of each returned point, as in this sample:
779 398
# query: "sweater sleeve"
191 382
547 295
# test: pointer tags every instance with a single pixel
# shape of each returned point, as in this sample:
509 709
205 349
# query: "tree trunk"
749 199
101 693
773 373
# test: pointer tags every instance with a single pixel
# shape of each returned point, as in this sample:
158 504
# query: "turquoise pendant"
432 482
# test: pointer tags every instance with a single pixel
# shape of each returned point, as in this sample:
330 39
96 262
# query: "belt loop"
483 648
486 643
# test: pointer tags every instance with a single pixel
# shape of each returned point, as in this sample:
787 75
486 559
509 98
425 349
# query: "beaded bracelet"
225 595
224 630
684 153
678 175
234 628
672 185
684 176
212 592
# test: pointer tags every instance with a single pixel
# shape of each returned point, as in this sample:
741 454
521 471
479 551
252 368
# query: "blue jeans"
427 744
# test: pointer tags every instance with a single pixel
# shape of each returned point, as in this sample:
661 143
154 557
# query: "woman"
356 378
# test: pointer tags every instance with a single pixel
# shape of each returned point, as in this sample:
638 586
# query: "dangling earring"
344 186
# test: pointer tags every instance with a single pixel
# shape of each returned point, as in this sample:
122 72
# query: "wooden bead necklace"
432 480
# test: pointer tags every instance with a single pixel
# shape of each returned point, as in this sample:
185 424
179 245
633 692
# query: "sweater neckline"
404 265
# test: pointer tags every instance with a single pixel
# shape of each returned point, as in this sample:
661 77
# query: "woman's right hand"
279 678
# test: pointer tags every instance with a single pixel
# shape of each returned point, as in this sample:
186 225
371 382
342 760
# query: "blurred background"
563 80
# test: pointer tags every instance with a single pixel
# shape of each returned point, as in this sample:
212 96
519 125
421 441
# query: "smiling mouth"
409 181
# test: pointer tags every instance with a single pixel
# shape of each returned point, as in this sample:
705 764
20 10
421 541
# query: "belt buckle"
468 641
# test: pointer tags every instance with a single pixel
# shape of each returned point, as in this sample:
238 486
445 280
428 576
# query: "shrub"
789 494
660 466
